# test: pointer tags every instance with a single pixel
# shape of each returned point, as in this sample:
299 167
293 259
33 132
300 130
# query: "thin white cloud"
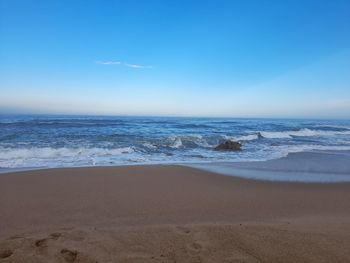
108 62
135 66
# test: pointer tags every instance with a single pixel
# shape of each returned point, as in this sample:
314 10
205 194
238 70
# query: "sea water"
69 141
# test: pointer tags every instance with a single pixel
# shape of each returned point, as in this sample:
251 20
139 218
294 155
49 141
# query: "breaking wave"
249 137
286 134
188 141
301 133
52 153
27 157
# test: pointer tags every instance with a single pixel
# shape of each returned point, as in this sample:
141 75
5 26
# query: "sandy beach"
168 213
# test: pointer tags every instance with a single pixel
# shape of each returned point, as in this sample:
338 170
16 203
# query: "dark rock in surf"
259 135
228 146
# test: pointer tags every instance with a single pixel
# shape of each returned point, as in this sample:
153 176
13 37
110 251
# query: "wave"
149 145
177 143
301 133
194 141
187 141
52 153
249 137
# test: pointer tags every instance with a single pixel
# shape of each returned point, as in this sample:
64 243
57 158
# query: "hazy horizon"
233 59
11 114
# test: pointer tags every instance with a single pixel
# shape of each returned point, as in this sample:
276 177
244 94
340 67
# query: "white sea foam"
301 133
185 140
249 137
149 145
49 153
286 134
177 143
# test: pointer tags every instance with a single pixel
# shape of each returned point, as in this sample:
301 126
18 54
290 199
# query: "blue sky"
179 58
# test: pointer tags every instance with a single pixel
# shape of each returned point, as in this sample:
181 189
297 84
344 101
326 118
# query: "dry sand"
169 214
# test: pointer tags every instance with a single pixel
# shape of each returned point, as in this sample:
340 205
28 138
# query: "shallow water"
62 141
306 167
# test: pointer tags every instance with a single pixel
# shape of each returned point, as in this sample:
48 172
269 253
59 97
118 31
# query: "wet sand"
169 214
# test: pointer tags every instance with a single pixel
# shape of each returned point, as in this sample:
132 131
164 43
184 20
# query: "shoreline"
303 167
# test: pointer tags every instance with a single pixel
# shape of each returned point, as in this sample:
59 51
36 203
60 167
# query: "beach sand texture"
165 213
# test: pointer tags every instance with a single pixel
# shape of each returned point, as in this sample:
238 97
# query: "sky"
246 58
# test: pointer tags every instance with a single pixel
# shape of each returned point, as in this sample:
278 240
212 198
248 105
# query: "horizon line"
171 116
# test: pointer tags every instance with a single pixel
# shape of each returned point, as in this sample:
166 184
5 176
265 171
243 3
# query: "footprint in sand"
183 230
55 236
6 253
14 237
194 247
41 242
69 255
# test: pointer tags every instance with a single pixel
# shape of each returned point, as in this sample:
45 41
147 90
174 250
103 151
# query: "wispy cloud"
135 66
108 62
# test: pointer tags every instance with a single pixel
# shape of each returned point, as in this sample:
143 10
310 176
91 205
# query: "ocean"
35 141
